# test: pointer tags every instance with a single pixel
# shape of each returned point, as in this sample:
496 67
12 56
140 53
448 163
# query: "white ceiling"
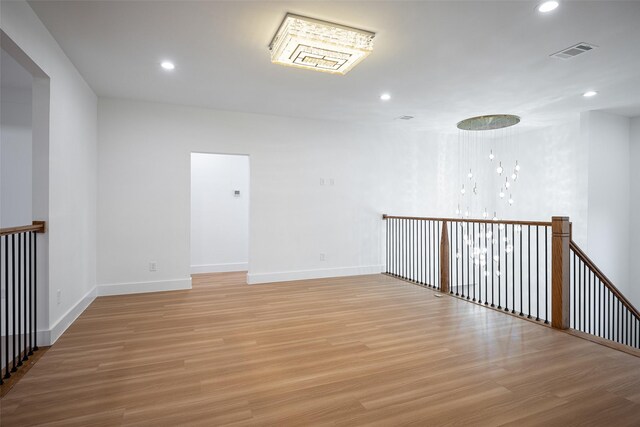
441 61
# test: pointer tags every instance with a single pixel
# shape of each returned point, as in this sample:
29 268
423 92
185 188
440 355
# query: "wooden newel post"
560 274
444 259
42 224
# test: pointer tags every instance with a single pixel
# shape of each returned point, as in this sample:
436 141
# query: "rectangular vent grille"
572 51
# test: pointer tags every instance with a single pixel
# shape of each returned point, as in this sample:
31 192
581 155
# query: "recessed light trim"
589 93
548 6
385 97
167 65
319 45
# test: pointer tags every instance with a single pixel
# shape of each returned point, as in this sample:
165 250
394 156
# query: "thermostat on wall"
236 193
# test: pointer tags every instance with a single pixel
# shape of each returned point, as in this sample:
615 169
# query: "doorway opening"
24 211
219 213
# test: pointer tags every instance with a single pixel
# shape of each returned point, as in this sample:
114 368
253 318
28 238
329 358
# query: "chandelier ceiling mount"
489 122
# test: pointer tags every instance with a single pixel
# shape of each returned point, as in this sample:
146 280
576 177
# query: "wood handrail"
37 227
478 221
562 249
603 278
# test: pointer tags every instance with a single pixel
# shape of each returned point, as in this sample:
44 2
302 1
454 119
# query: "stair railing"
18 302
526 268
597 306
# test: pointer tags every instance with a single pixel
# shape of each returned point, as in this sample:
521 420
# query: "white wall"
71 163
634 237
607 136
15 155
143 206
219 218
553 179
144 161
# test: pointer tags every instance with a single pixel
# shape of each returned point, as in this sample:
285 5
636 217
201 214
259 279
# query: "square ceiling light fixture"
319 45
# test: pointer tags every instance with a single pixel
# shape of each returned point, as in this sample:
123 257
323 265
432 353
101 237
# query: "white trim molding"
143 287
286 276
219 268
48 337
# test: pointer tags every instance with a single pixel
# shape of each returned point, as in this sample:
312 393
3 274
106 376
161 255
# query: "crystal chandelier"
319 45
488 165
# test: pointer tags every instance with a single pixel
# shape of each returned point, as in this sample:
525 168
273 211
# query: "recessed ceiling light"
590 93
385 97
548 6
167 65
319 45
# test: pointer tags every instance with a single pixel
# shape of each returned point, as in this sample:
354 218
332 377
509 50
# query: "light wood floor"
368 350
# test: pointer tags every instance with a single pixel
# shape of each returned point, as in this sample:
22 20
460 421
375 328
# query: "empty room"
319 213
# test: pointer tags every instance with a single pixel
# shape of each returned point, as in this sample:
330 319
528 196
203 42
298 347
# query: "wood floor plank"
366 350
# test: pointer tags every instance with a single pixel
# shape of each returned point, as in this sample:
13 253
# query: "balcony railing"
527 268
19 296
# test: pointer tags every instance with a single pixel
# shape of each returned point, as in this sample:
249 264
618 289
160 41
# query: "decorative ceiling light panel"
319 45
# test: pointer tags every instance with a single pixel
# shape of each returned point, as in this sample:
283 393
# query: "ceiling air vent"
572 51
405 117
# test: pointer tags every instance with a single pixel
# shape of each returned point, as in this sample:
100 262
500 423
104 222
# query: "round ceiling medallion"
489 122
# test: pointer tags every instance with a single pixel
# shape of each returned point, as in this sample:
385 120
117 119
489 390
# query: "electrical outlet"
331 182
321 257
58 296
321 181
153 266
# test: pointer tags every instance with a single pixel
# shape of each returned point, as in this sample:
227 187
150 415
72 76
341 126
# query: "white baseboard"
286 276
43 338
48 337
219 268
143 287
